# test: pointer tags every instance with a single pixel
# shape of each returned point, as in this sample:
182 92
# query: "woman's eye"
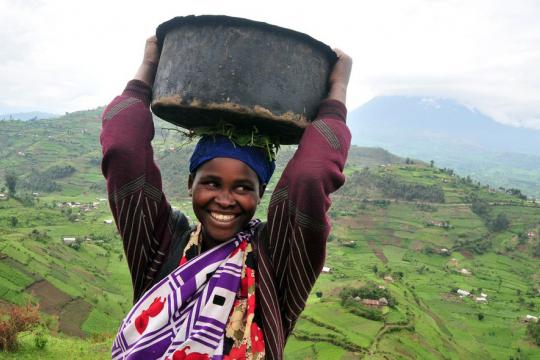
244 188
211 184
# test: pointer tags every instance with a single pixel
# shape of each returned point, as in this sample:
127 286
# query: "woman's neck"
207 242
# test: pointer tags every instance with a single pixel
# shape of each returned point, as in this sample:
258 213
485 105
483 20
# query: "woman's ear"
190 183
262 188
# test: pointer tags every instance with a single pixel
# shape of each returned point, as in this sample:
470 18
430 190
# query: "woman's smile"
223 218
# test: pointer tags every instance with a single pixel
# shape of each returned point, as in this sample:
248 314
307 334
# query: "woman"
232 287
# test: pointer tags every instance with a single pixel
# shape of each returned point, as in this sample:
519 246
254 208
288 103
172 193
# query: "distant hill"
453 136
25 116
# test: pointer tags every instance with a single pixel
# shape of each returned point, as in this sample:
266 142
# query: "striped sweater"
290 247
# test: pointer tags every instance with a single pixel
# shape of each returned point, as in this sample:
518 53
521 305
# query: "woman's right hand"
339 77
148 67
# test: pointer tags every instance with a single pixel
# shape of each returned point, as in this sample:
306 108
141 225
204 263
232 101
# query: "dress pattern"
188 314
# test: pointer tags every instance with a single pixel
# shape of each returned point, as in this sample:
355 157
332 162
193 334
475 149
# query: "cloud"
67 55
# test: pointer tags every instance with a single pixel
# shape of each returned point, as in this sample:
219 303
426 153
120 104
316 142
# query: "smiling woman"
231 287
225 194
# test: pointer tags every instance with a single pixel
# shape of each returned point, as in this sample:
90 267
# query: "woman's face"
225 195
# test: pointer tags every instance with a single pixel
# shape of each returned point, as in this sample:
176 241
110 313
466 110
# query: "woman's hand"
148 67
339 77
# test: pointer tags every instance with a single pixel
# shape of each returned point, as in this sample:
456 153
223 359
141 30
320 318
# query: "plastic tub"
241 71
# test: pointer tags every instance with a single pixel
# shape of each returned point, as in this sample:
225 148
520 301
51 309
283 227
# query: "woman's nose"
225 199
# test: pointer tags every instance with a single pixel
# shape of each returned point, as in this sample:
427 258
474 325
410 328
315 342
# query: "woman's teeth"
222 217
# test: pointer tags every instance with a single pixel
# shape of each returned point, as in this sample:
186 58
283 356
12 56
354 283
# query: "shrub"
14 320
533 329
40 339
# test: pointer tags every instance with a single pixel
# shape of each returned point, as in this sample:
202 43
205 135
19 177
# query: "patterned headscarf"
210 147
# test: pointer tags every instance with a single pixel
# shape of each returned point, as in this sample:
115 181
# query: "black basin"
241 71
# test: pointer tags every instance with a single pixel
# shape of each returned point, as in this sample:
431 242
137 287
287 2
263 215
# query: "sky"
62 56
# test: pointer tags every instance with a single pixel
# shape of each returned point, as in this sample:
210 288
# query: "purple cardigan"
290 255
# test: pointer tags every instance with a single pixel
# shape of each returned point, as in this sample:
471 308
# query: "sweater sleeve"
140 210
298 225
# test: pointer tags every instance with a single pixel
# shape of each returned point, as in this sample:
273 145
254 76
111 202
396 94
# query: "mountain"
25 116
453 136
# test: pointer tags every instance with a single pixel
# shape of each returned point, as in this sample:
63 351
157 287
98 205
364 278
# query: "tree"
431 163
500 223
11 183
14 221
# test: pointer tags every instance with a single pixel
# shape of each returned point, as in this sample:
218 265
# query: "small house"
530 318
388 278
480 299
370 302
108 221
463 293
465 272
326 269
69 240
3 196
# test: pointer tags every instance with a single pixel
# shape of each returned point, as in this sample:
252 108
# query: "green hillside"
403 230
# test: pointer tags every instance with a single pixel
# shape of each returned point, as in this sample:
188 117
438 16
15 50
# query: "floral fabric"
243 336
204 309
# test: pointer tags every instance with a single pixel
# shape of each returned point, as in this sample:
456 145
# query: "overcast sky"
59 56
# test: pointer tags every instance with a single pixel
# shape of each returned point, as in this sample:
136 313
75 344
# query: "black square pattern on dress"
219 300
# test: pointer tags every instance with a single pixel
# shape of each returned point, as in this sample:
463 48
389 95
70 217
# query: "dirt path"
378 252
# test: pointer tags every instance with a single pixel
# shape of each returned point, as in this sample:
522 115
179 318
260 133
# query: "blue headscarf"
210 147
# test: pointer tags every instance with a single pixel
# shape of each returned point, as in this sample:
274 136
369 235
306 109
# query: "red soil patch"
366 222
85 274
356 223
522 248
51 300
71 312
334 291
73 316
451 298
467 254
4 306
390 239
378 252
